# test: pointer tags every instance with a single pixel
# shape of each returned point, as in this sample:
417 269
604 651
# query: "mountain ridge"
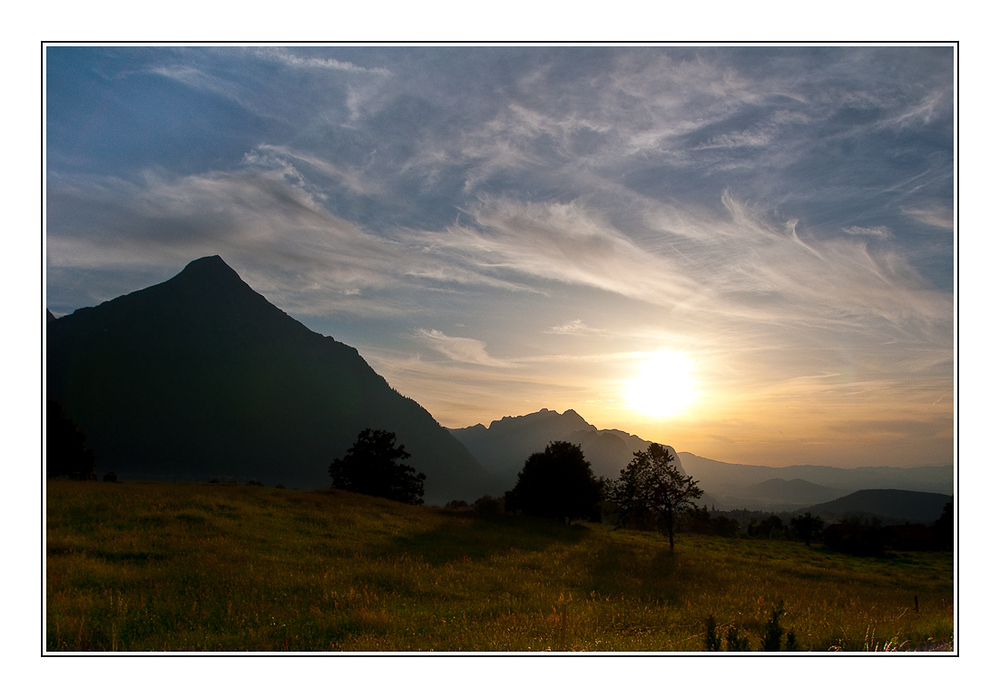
200 375
503 446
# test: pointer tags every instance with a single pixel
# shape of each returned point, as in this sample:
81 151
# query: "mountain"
503 447
889 506
777 494
201 376
762 487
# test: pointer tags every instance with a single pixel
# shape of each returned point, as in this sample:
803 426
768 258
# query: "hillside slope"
201 376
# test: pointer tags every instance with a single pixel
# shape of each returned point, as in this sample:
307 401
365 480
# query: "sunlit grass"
155 567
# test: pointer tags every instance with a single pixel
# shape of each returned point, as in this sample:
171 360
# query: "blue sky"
501 229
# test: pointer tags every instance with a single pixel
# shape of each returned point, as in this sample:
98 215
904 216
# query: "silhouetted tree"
557 483
771 527
66 452
806 527
944 527
651 489
373 466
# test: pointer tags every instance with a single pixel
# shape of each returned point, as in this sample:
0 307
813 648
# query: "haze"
761 235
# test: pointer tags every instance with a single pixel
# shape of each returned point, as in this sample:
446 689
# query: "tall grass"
163 567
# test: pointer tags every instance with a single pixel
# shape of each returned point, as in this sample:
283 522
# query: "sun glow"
663 385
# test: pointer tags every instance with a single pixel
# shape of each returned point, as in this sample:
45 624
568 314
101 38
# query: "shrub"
736 642
713 643
488 506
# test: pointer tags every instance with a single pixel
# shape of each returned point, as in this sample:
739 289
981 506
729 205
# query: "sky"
746 252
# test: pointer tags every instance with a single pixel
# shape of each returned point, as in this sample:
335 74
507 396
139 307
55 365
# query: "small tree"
372 466
651 488
557 483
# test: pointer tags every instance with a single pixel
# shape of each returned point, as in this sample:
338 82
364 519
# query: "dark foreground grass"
158 567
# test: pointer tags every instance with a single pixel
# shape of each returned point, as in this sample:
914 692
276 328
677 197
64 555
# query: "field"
136 567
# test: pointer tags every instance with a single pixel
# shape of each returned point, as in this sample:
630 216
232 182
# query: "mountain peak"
212 267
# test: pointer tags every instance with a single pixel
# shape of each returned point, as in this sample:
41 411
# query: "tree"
557 483
806 527
66 452
652 490
372 466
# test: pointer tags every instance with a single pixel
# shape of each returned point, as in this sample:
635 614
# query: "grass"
162 567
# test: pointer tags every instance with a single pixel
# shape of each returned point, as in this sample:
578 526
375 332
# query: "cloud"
936 216
576 327
879 231
563 242
295 60
463 349
266 221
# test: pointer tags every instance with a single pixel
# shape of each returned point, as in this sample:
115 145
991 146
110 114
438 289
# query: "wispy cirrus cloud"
293 59
462 349
878 231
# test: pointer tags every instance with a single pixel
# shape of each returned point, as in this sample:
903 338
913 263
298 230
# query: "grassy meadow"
135 567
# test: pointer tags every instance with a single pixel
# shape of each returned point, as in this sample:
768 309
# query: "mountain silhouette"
200 376
503 447
888 505
768 488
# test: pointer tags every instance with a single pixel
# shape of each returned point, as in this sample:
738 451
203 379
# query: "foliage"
110 477
651 490
771 640
771 528
373 466
557 483
713 643
488 506
944 527
855 535
701 520
806 527
66 453
736 642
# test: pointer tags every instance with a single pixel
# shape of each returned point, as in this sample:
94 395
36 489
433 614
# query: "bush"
736 642
110 477
713 643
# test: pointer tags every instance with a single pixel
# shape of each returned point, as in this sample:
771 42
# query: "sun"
663 385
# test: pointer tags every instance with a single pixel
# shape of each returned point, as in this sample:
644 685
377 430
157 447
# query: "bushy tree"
66 452
557 483
807 527
373 466
652 490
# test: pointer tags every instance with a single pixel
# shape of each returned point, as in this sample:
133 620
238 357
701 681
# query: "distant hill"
503 447
889 506
201 376
778 494
743 486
